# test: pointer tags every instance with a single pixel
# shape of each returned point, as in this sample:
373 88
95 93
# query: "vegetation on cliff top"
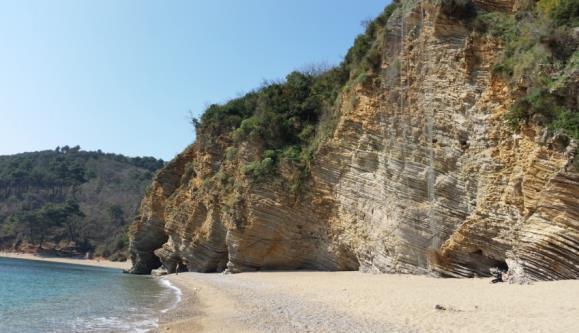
287 120
71 201
539 61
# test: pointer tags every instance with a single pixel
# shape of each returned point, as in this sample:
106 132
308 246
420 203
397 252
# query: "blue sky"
122 75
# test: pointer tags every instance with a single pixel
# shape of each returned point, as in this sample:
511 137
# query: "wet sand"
358 302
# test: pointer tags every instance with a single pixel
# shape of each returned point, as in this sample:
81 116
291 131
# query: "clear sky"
122 75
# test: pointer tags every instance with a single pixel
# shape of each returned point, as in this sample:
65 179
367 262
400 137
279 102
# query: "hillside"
445 143
68 201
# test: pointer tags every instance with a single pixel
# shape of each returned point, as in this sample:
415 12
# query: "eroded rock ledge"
420 175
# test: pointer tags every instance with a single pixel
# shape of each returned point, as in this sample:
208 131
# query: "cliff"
413 168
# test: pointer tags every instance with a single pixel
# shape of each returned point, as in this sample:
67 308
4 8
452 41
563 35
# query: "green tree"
116 214
72 218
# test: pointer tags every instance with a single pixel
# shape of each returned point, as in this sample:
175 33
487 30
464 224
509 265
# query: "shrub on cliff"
547 108
364 55
563 12
538 61
278 115
259 169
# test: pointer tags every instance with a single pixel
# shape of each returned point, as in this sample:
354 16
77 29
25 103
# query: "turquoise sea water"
51 297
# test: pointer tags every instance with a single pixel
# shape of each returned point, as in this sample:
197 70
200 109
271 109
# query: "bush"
249 125
562 43
498 25
374 58
565 13
188 173
566 121
357 52
373 26
505 28
549 109
231 153
259 169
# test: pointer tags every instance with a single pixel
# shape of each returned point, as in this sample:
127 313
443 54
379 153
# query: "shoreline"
183 315
84 262
202 308
355 301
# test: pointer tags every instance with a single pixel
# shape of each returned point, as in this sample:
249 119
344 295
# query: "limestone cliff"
419 174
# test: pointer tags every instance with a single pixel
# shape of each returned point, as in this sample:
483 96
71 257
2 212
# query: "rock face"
420 175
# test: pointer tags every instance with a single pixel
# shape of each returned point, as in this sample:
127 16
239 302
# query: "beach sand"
85 262
358 302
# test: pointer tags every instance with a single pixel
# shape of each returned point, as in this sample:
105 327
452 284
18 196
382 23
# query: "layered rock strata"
421 175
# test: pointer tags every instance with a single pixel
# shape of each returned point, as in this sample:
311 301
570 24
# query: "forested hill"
68 201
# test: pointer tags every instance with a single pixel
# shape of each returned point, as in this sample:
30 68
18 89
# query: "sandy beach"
358 302
85 262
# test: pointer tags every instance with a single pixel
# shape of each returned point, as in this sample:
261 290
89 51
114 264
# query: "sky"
122 75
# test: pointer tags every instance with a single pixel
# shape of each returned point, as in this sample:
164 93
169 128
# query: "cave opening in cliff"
482 263
502 266
181 267
499 264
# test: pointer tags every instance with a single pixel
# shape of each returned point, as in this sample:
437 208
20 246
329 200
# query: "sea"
39 297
